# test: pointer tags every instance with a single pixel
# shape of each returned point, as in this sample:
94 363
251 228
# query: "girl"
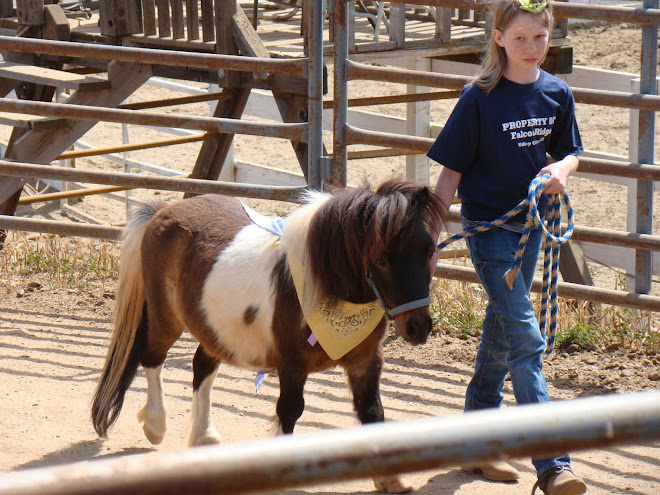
497 139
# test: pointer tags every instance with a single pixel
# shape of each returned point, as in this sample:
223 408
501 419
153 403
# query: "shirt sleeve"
565 138
456 146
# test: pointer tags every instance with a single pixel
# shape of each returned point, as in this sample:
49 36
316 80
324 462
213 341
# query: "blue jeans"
511 340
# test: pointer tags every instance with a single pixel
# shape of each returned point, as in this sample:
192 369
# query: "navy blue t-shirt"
498 141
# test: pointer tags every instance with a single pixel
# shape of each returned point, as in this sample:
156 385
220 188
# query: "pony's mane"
359 224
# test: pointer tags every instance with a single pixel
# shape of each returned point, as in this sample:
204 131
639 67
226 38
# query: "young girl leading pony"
514 122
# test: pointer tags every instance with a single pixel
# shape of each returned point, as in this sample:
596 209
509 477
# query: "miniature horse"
201 264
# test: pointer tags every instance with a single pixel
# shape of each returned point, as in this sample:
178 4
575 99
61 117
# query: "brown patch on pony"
210 223
374 219
250 314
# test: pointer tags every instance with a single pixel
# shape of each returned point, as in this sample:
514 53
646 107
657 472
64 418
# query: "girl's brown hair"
502 12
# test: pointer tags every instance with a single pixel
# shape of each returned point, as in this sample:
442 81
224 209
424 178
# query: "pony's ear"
422 198
429 204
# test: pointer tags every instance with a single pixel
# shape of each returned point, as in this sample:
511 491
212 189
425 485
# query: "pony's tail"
130 326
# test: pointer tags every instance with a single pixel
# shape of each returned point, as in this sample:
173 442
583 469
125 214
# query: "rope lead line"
552 240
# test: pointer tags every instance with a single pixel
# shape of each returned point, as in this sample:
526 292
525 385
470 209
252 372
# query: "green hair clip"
533 7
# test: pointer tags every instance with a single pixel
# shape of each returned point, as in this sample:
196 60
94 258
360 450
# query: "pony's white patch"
240 279
153 414
294 236
203 432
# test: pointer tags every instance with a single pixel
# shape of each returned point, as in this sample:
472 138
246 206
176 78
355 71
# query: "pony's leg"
154 414
205 369
291 402
364 380
164 330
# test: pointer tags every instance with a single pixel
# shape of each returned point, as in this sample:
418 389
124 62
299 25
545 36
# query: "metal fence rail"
386 448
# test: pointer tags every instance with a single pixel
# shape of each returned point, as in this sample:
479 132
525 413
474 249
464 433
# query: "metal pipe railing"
356 135
293 67
567 290
619 99
56 227
294 131
179 184
560 10
539 430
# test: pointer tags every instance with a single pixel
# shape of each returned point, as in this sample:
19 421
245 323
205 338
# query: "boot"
560 481
494 471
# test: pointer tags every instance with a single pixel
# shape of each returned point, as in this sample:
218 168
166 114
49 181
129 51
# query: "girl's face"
525 41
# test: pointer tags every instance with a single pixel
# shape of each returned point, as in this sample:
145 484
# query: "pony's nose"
419 328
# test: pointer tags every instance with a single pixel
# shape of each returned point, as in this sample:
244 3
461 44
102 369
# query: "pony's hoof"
154 426
209 437
391 484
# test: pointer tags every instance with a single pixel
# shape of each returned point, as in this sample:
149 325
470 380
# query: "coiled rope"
552 241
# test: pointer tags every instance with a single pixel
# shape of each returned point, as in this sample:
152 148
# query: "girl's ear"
497 37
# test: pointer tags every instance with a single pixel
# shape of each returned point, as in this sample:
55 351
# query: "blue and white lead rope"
551 245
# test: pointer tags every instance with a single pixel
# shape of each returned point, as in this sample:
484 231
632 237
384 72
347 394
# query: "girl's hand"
559 172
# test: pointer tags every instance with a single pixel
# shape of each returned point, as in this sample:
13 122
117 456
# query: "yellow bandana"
338 328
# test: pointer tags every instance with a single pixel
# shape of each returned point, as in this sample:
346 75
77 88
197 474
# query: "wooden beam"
224 39
45 145
216 146
56 25
573 265
50 77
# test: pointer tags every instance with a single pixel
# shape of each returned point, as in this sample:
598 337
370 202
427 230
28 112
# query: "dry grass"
458 307
67 262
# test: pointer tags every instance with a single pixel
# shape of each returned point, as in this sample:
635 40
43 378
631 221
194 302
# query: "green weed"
458 309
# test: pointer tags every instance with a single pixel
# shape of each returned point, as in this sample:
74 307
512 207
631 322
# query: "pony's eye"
381 263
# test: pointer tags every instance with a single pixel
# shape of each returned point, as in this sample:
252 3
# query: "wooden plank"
169 43
28 121
164 23
178 31
50 77
208 22
192 20
247 39
149 17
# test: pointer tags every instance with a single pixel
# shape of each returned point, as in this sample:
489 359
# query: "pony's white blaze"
239 283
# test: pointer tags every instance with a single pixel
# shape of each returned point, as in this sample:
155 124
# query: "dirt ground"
53 341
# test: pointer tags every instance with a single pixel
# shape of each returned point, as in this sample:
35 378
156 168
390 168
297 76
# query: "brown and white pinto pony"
201 264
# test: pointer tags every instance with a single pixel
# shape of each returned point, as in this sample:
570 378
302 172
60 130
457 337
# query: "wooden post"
30 12
56 25
225 10
119 18
443 24
418 123
6 8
